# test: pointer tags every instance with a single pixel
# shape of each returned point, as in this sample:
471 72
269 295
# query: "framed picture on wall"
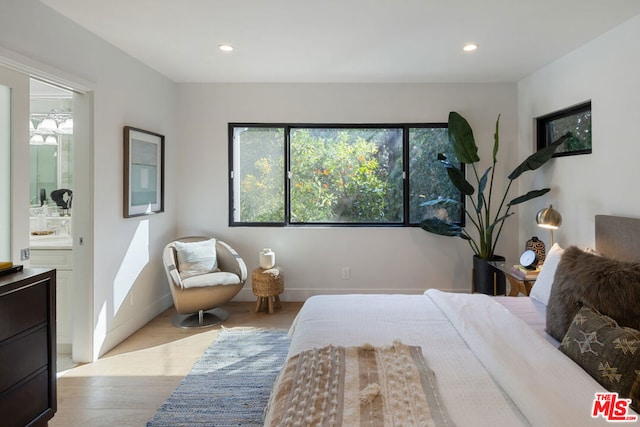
576 119
143 172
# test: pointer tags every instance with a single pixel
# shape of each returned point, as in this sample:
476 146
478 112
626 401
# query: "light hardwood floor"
127 385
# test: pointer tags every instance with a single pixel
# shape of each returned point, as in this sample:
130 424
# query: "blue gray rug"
230 385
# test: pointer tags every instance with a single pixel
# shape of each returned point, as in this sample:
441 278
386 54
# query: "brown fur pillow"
612 287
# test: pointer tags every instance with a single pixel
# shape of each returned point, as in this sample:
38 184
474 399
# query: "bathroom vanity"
56 251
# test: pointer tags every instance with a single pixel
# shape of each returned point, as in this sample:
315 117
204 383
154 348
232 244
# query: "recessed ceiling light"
470 47
225 47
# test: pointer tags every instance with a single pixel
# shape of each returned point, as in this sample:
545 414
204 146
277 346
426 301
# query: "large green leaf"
461 138
481 186
456 176
441 201
530 195
538 158
443 228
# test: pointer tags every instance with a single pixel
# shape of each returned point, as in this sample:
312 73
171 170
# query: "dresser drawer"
26 403
22 356
23 309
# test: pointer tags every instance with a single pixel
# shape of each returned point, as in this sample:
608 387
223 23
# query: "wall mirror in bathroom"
51 158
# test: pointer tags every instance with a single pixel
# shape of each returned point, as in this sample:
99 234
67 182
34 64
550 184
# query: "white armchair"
203 273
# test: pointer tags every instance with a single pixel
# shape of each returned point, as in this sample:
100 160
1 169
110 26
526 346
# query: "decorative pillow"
196 258
610 286
608 352
542 286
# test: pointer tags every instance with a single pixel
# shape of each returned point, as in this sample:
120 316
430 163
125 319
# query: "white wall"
402 260
606 72
129 287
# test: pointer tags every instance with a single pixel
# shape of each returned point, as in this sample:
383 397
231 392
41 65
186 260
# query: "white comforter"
492 368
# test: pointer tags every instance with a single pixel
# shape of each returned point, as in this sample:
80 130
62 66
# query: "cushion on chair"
195 258
219 278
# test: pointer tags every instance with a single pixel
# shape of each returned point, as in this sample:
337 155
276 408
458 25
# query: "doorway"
70 226
16 77
51 184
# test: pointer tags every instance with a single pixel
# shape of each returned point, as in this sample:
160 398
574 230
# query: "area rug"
230 385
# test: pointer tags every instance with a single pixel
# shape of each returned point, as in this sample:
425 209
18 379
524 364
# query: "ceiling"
347 40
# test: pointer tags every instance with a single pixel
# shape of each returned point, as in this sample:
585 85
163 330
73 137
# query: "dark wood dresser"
28 347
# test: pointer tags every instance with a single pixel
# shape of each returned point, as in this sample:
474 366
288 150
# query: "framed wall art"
576 119
143 172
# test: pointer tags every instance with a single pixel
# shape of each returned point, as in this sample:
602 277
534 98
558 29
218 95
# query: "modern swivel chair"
63 198
208 279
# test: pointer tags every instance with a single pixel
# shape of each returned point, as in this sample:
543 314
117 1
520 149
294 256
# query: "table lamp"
549 218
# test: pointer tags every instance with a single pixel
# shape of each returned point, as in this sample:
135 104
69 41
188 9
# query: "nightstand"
517 284
267 286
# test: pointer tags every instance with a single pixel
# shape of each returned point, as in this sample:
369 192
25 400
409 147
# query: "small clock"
529 259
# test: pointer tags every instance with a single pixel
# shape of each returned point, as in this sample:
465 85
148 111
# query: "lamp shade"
549 218
36 140
47 126
66 127
51 140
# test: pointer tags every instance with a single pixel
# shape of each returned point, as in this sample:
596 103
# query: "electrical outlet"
25 254
346 273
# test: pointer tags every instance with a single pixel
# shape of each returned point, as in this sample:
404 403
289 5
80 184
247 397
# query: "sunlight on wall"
100 331
134 261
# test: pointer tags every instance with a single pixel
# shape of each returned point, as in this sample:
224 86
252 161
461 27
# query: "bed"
463 359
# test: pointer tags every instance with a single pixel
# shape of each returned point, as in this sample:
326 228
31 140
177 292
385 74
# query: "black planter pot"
487 279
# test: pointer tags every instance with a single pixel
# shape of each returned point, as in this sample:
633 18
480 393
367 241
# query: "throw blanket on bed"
357 386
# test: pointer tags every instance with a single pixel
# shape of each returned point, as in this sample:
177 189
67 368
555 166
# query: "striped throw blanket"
357 386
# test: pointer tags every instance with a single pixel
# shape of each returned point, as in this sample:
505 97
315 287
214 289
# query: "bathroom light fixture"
549 218
47 126
36 140
225 47
470 47
66 127
51 140
53 122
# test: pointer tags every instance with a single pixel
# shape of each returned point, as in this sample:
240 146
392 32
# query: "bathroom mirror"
50 143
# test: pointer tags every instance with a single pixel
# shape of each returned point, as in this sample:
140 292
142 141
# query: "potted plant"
480 212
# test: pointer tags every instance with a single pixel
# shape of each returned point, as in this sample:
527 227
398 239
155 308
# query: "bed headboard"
618 237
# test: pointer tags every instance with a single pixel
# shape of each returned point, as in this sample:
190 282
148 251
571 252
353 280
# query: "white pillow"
196 258
542 287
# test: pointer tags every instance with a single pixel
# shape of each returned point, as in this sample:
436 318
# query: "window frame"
287 127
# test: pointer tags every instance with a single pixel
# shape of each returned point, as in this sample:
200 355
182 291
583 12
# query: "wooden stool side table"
267 286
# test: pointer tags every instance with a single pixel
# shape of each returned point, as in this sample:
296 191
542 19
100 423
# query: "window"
576 119
428 179
338 174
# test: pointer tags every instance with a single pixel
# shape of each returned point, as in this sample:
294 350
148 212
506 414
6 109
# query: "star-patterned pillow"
608 352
